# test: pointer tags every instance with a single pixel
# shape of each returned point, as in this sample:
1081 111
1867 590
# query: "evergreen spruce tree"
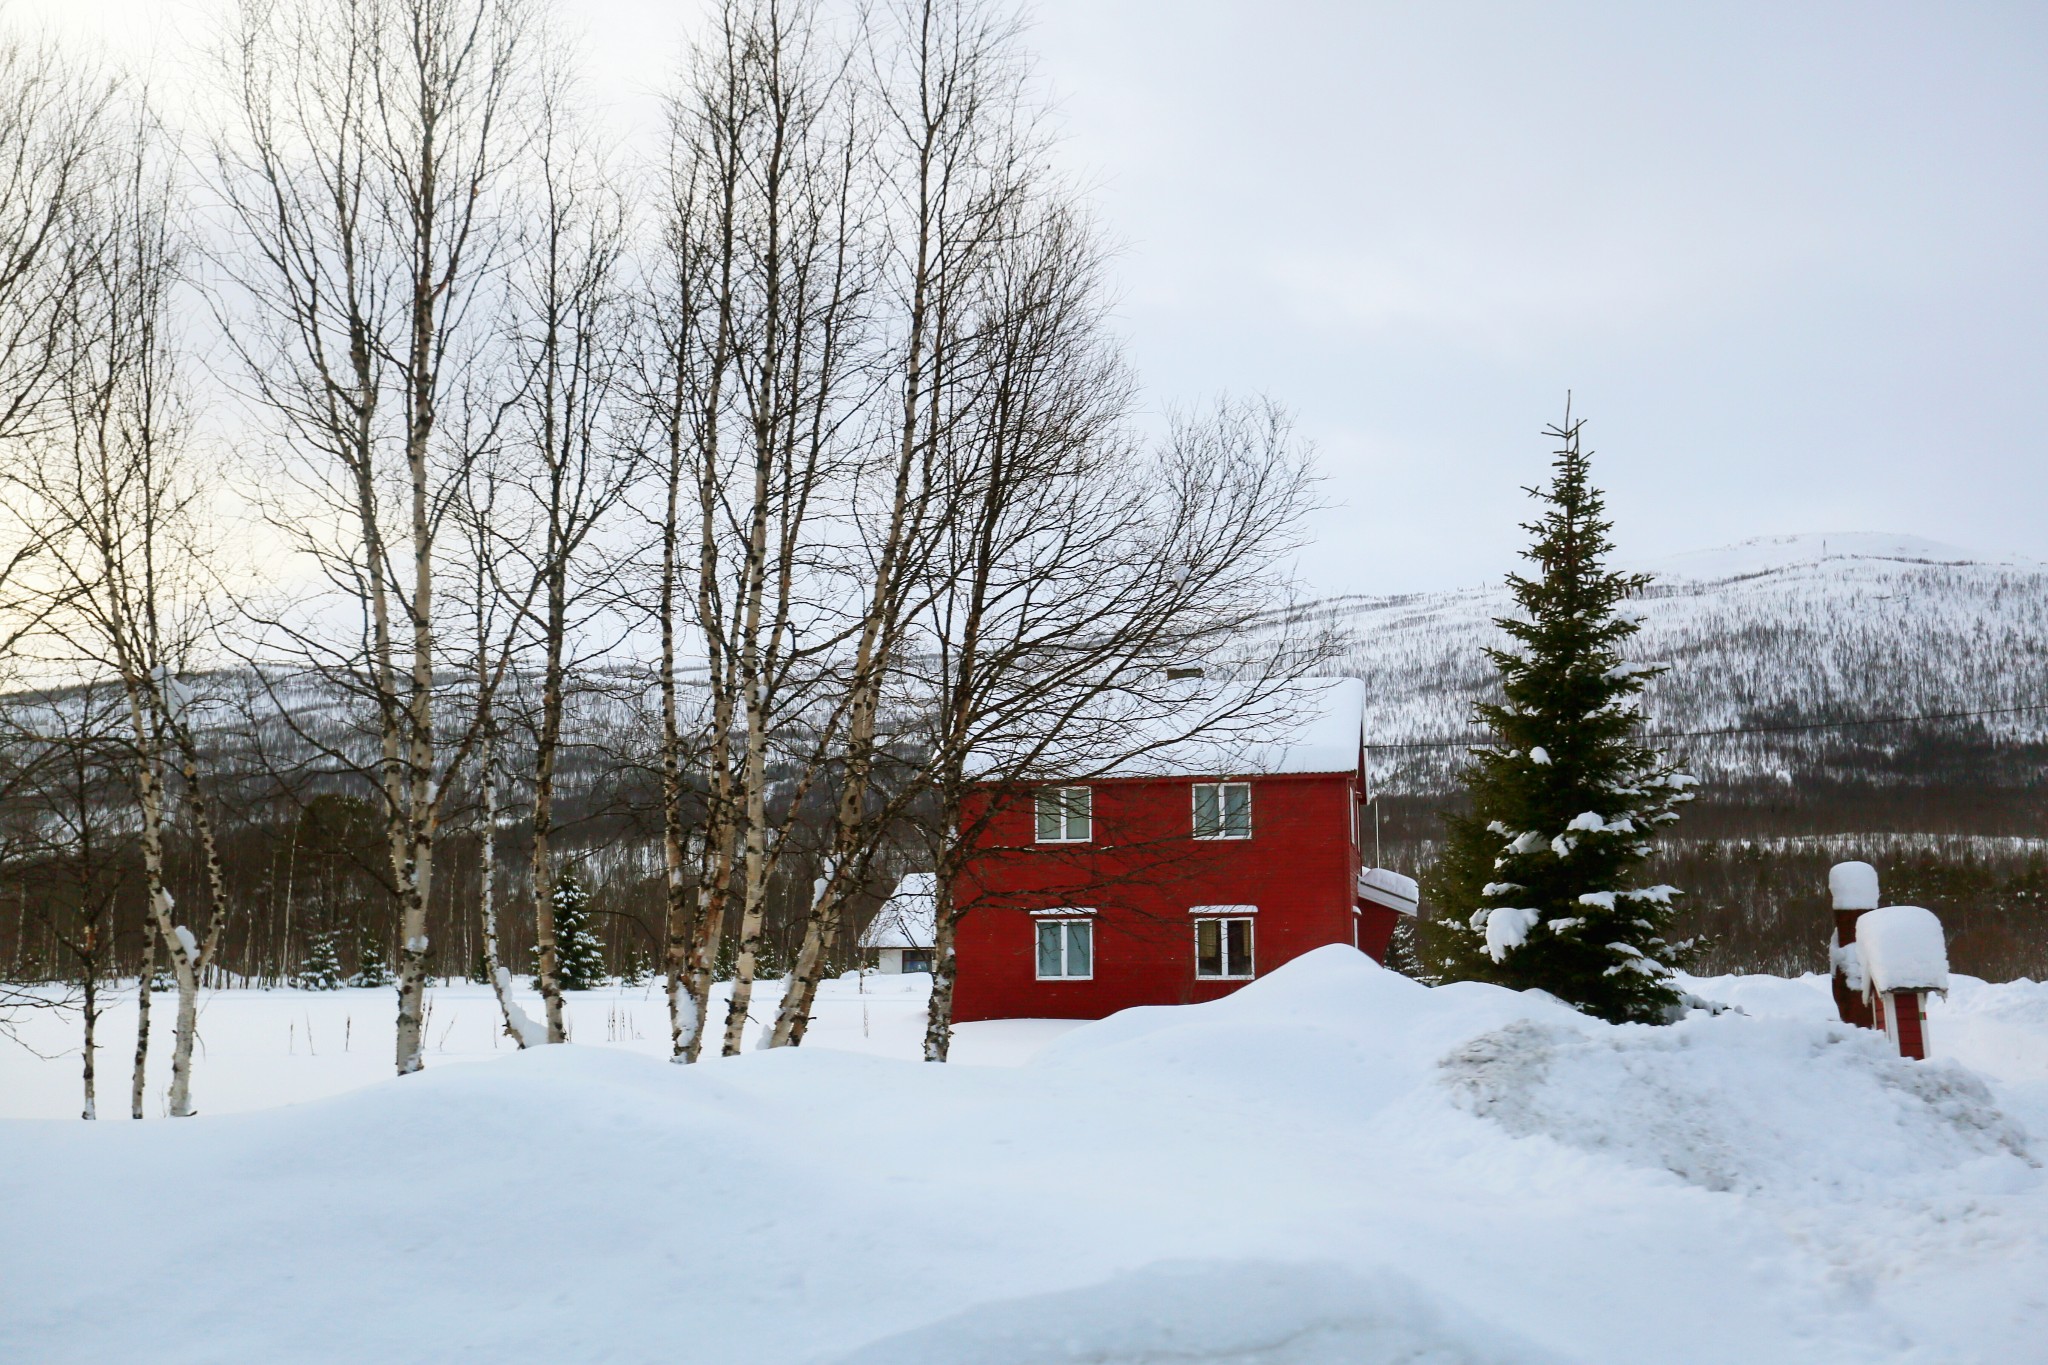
372 966
1535 887
321 971
1403 955
639 968
579 952
770 962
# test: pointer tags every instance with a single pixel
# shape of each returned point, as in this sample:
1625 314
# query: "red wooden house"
1178 882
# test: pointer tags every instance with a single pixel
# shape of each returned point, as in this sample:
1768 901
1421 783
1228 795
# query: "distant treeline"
1751 858
300 871
1753 865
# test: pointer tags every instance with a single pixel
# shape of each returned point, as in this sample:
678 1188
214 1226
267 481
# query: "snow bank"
1332 1164
1804 1112
1903 949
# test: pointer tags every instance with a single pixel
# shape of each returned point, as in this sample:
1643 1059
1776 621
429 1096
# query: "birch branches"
817 433
366 175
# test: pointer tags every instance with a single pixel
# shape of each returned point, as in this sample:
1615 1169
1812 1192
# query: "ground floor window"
917 960
1066 949
1223 949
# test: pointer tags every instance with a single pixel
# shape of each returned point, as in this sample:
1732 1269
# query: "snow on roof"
1902 949
1853 886
1383 886
1209 728
909 918
1312 726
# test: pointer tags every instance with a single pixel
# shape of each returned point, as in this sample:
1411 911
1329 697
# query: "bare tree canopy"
712 526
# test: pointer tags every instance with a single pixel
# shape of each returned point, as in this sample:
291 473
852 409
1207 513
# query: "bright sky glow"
1788 257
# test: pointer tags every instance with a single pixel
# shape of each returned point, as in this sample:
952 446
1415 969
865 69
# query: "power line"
1758 729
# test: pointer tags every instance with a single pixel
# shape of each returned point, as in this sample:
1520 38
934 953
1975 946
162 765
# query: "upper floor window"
1223 810
1065 815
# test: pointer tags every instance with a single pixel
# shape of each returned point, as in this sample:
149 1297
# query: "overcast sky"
1788 256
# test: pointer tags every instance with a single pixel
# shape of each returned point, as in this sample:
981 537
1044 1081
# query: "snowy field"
1333 1165
261 1049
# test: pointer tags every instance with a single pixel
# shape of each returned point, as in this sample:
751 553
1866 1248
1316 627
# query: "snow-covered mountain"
1778 631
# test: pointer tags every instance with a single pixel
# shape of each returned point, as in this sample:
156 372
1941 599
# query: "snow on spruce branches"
1536 887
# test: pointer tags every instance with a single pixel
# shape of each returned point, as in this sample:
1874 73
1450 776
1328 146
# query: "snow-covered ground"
260 1049
1333 1165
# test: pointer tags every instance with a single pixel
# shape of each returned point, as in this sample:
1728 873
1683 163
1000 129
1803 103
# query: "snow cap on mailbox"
1853 886
1903 949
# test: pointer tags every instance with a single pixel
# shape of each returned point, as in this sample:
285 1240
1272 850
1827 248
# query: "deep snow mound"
1215 1313
1796 1110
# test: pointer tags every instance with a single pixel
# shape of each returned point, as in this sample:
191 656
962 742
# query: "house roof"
908 919
1316 725
1313 726
1384 886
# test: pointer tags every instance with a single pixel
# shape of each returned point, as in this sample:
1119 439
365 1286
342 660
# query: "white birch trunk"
521 1029
138 1085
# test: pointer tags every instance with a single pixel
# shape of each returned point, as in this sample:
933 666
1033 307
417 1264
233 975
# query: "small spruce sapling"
579 952
321 971
1536 887
373 966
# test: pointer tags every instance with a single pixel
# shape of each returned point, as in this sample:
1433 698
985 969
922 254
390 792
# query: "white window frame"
1068 920
1222 805
1223 944
1065 816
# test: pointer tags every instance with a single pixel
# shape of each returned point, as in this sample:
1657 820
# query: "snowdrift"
1334 1164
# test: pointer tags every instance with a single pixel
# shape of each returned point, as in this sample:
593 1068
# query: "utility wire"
1755 729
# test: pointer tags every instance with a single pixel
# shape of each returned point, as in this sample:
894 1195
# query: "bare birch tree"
128 551
53 117
1076 573
958 150
691 321
576 444
365 172
485 531
768 377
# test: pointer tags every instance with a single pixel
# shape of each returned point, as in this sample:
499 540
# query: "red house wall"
1141 872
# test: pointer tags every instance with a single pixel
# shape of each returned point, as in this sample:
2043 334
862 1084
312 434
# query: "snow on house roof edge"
1314 726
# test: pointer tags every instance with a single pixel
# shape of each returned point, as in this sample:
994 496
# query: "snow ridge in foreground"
1335 1164
1214 1313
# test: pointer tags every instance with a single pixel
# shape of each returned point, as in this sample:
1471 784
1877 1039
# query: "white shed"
904 929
